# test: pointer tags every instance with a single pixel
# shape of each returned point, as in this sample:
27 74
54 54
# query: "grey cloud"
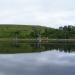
53 13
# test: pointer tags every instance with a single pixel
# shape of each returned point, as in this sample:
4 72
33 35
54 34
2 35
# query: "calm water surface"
37 59
40 63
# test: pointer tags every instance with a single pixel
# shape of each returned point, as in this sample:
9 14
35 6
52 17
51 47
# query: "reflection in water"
37 45
22 47
42 63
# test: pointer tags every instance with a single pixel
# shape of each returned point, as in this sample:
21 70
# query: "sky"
51 13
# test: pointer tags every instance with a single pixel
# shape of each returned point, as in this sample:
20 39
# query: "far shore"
39 40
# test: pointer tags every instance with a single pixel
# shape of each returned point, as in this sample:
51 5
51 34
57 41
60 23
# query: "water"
41 63
39 59
12 47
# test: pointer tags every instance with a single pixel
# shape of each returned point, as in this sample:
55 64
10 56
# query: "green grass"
8 30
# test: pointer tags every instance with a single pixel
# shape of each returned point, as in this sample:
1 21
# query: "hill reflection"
10 47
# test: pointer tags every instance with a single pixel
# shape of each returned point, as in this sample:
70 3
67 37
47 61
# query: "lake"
37 59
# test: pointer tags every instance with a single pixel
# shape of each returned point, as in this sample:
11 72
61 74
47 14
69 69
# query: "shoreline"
37 40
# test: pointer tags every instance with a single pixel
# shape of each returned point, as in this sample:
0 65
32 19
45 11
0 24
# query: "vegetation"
30 31
12 38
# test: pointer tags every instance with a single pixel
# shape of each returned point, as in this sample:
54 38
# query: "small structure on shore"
45 39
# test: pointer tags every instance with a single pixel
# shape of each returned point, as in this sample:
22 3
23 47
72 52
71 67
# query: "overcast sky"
53 13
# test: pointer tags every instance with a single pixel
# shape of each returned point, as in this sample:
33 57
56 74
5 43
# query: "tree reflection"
22 47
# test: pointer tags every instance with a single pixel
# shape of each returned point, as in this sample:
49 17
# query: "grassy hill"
31 31
23 31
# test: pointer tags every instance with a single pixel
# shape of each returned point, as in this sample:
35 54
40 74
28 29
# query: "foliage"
30 31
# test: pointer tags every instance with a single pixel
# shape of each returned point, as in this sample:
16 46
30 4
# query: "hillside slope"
23 31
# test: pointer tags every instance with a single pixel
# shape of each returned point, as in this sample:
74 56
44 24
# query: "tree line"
66 32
